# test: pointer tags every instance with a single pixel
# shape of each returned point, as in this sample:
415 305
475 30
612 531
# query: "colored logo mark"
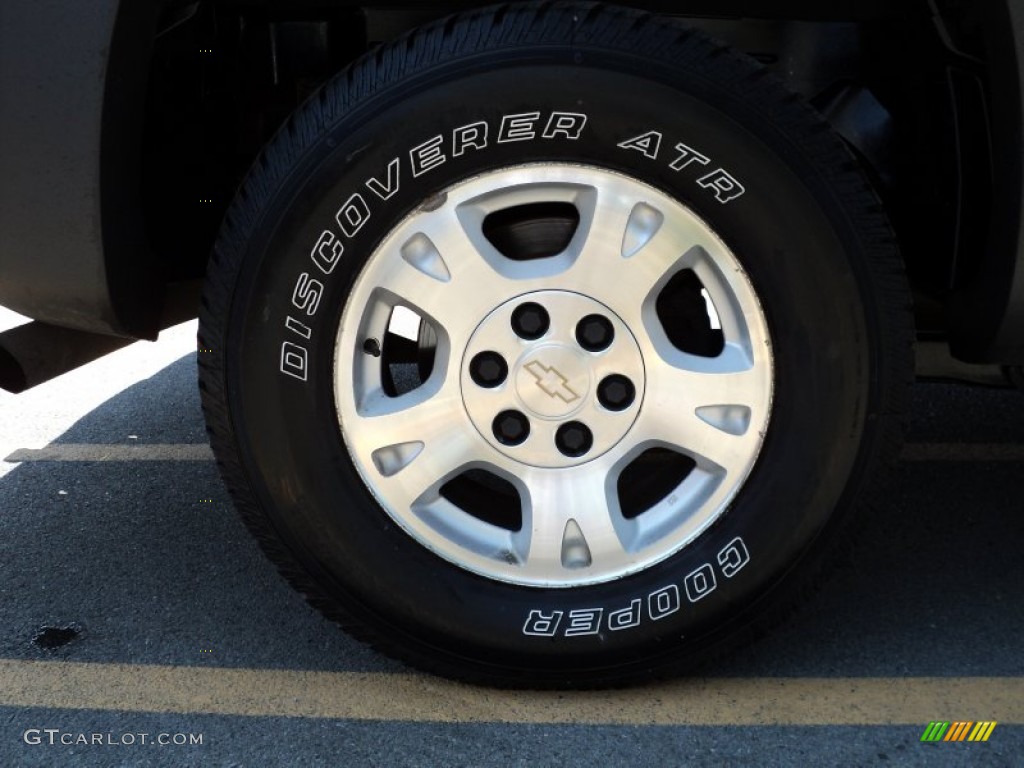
958 730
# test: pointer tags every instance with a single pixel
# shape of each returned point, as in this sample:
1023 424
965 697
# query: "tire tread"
554 22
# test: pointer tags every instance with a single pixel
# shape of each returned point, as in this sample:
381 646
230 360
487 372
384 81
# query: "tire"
512 223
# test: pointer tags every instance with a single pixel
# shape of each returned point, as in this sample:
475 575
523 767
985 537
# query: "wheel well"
902 82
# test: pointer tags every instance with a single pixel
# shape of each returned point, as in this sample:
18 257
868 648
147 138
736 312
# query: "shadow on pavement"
147 562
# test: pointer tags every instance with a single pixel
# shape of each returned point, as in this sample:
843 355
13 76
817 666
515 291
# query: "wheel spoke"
632 247
554 373
445 272
713 417
723 296
414 442
600 262
569 520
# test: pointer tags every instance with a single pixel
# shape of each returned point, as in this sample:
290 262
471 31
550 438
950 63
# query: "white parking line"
420 698
966 452
114 452
939 452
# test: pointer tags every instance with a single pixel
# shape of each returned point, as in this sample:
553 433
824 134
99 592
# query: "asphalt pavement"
140 624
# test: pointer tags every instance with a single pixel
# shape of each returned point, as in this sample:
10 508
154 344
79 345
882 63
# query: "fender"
72 236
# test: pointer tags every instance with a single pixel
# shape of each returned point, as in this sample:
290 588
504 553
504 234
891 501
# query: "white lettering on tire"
625 618
723 184
733 557
700 583
567 124
686 156
663 603
427 156
473 135
352 215
655 606
296 327
385 191
585 621
307 293
649 143
540 624
327 252
294 361
556 125
518 127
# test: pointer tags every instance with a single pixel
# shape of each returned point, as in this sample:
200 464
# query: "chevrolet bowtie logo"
552 382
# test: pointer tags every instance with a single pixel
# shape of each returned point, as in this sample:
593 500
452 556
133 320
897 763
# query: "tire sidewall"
788 229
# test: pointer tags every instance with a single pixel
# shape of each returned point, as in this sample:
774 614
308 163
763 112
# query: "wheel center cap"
553 381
